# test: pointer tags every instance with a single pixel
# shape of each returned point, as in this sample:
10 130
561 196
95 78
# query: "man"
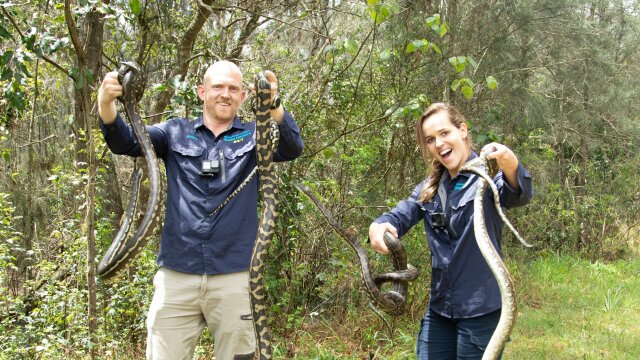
204 257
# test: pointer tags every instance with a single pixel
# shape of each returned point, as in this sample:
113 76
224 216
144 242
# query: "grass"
576 309
568 309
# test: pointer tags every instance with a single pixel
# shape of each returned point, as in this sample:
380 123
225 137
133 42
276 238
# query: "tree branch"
43 57
73 32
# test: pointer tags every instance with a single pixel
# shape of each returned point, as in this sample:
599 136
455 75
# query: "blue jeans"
441 338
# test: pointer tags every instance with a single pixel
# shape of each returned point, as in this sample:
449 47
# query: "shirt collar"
461 175
237 123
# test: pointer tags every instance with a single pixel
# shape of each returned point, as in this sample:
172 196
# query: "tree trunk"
89 56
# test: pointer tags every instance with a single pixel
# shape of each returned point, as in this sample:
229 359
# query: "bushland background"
556 80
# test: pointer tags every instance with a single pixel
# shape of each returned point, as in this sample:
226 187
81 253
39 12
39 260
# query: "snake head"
263 92
483 164
491 165
134 84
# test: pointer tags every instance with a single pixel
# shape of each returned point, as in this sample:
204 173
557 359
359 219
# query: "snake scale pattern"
486 170
392 301
267 136
121 251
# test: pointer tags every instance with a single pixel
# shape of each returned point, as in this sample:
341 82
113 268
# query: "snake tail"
392 301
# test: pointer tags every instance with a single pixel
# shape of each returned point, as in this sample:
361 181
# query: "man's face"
222 92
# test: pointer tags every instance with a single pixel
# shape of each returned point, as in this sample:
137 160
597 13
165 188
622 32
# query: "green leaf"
385 55
329 153
4 33
159 87
433 20
455 84
6 57
467 81
379 13
491 82
136 7
458 62
351 46
444 28
435 48
416 45
59 43
76 75
472 62
328 57
29 38
178 99
467 91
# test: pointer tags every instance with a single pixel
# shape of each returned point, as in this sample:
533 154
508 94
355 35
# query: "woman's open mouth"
445 154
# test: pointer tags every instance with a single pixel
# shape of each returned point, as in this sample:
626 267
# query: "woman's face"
445 141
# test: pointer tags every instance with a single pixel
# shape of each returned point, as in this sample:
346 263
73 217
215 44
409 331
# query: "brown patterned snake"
486 169
267 136
121 252
391 301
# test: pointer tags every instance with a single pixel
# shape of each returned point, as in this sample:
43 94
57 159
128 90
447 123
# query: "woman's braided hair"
435 167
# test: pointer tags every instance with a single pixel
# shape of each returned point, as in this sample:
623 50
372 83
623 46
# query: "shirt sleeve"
509 197
290 145
121 140
406 214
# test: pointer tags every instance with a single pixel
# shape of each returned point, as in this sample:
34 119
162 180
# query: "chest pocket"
461 206
189 159
466 198
234 152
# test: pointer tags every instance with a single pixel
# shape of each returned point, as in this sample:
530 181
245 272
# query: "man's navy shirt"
462 285
193 240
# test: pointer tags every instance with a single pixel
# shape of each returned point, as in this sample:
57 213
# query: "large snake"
267 136
120 252
486 169
392 301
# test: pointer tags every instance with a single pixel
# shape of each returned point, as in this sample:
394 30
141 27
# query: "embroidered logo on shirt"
192 137
236 138
459 185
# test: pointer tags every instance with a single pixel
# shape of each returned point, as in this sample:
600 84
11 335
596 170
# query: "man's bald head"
222 67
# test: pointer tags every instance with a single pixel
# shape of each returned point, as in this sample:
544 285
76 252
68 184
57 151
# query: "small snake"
487 169
267 136
121 252
392 301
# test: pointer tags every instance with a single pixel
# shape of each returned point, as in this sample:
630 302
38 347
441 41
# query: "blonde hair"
435 167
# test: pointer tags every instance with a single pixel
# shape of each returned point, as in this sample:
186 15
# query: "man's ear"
201 92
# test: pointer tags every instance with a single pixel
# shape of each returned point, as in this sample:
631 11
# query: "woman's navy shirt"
462 285
193 240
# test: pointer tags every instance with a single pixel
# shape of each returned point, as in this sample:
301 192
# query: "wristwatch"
275 103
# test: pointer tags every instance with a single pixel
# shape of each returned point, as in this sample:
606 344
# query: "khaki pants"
184 303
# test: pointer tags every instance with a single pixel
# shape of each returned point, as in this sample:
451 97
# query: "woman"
465 303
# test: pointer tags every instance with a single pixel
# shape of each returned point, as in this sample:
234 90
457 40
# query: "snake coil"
392 301
486 169
121 252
